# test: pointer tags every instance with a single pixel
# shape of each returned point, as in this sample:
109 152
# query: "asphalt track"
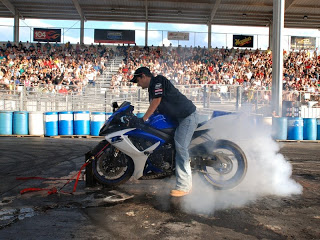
140 209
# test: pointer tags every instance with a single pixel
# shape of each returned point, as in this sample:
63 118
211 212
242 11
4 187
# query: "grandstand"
208 76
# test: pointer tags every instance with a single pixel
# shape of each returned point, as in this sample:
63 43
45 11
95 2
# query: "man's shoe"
178 193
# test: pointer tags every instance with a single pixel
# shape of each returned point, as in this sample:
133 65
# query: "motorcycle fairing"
124 144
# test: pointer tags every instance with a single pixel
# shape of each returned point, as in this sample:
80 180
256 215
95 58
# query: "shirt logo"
158 89
158 85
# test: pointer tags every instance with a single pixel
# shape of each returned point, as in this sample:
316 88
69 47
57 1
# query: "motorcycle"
146 151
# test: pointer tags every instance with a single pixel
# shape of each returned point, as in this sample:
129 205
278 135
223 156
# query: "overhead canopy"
298 13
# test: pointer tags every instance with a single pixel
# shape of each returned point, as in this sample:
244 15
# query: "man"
165 98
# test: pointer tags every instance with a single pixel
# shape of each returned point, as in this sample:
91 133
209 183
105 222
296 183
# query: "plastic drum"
20 123
97 121
140 115
6 122
318 129
267 121
295 128
279 128
310 129
65 123
36 123
81 122
51 123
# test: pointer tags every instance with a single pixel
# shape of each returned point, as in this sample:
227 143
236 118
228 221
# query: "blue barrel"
81 123
65 123
97 121
20 123
279 128
310 129
140 115
295 128
108 114
51 124
6 122
318 129
220 113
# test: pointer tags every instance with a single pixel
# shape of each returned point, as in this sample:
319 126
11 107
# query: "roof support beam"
147 23
82 19
214 10
288 4
9 5
78 7
277 55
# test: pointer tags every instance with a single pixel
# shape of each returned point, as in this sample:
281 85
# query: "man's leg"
182 138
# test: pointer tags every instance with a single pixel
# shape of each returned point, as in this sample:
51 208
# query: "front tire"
111 167
227 167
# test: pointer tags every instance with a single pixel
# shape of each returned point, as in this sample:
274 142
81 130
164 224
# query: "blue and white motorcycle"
146 151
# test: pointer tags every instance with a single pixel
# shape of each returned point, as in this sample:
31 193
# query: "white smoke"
268 171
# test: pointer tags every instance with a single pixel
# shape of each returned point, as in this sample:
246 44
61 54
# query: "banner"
243 41
303 43
114 36
45 35
178 36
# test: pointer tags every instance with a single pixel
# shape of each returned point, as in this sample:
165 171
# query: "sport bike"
146 151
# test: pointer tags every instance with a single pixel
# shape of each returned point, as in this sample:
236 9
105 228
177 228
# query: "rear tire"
110 170
236 165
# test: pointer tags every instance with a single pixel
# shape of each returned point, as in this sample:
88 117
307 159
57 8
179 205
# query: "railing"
205 97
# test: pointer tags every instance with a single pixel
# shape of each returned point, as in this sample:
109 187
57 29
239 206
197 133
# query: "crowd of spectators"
51 67
251 69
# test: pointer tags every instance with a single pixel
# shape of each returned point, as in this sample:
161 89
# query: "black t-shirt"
173 103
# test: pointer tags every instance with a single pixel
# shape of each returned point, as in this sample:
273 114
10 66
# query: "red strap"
53 190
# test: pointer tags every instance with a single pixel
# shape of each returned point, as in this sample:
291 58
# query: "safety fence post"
238 98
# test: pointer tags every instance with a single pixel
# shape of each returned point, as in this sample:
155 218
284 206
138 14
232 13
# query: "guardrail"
205 97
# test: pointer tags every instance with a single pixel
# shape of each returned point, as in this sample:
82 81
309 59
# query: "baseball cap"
139 72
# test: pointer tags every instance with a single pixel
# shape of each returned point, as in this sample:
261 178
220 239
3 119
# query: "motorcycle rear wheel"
227 165
111 167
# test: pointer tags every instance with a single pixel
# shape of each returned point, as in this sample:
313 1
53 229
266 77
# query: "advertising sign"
178 36
243 41
44 35
114 36
303 43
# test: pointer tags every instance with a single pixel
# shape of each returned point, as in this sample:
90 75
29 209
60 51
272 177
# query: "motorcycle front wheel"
111 167
225 164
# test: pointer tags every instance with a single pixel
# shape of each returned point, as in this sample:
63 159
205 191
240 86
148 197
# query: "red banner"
45 35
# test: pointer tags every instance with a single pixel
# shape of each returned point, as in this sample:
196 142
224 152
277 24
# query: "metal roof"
298 13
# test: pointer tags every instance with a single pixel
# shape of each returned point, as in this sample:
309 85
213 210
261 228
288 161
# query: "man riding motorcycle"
167 100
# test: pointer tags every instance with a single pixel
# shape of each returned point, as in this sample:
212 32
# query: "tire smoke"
268 173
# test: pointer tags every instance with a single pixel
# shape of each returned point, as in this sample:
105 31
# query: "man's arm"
153 106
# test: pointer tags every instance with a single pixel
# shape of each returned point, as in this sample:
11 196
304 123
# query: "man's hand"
140 121
137 121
